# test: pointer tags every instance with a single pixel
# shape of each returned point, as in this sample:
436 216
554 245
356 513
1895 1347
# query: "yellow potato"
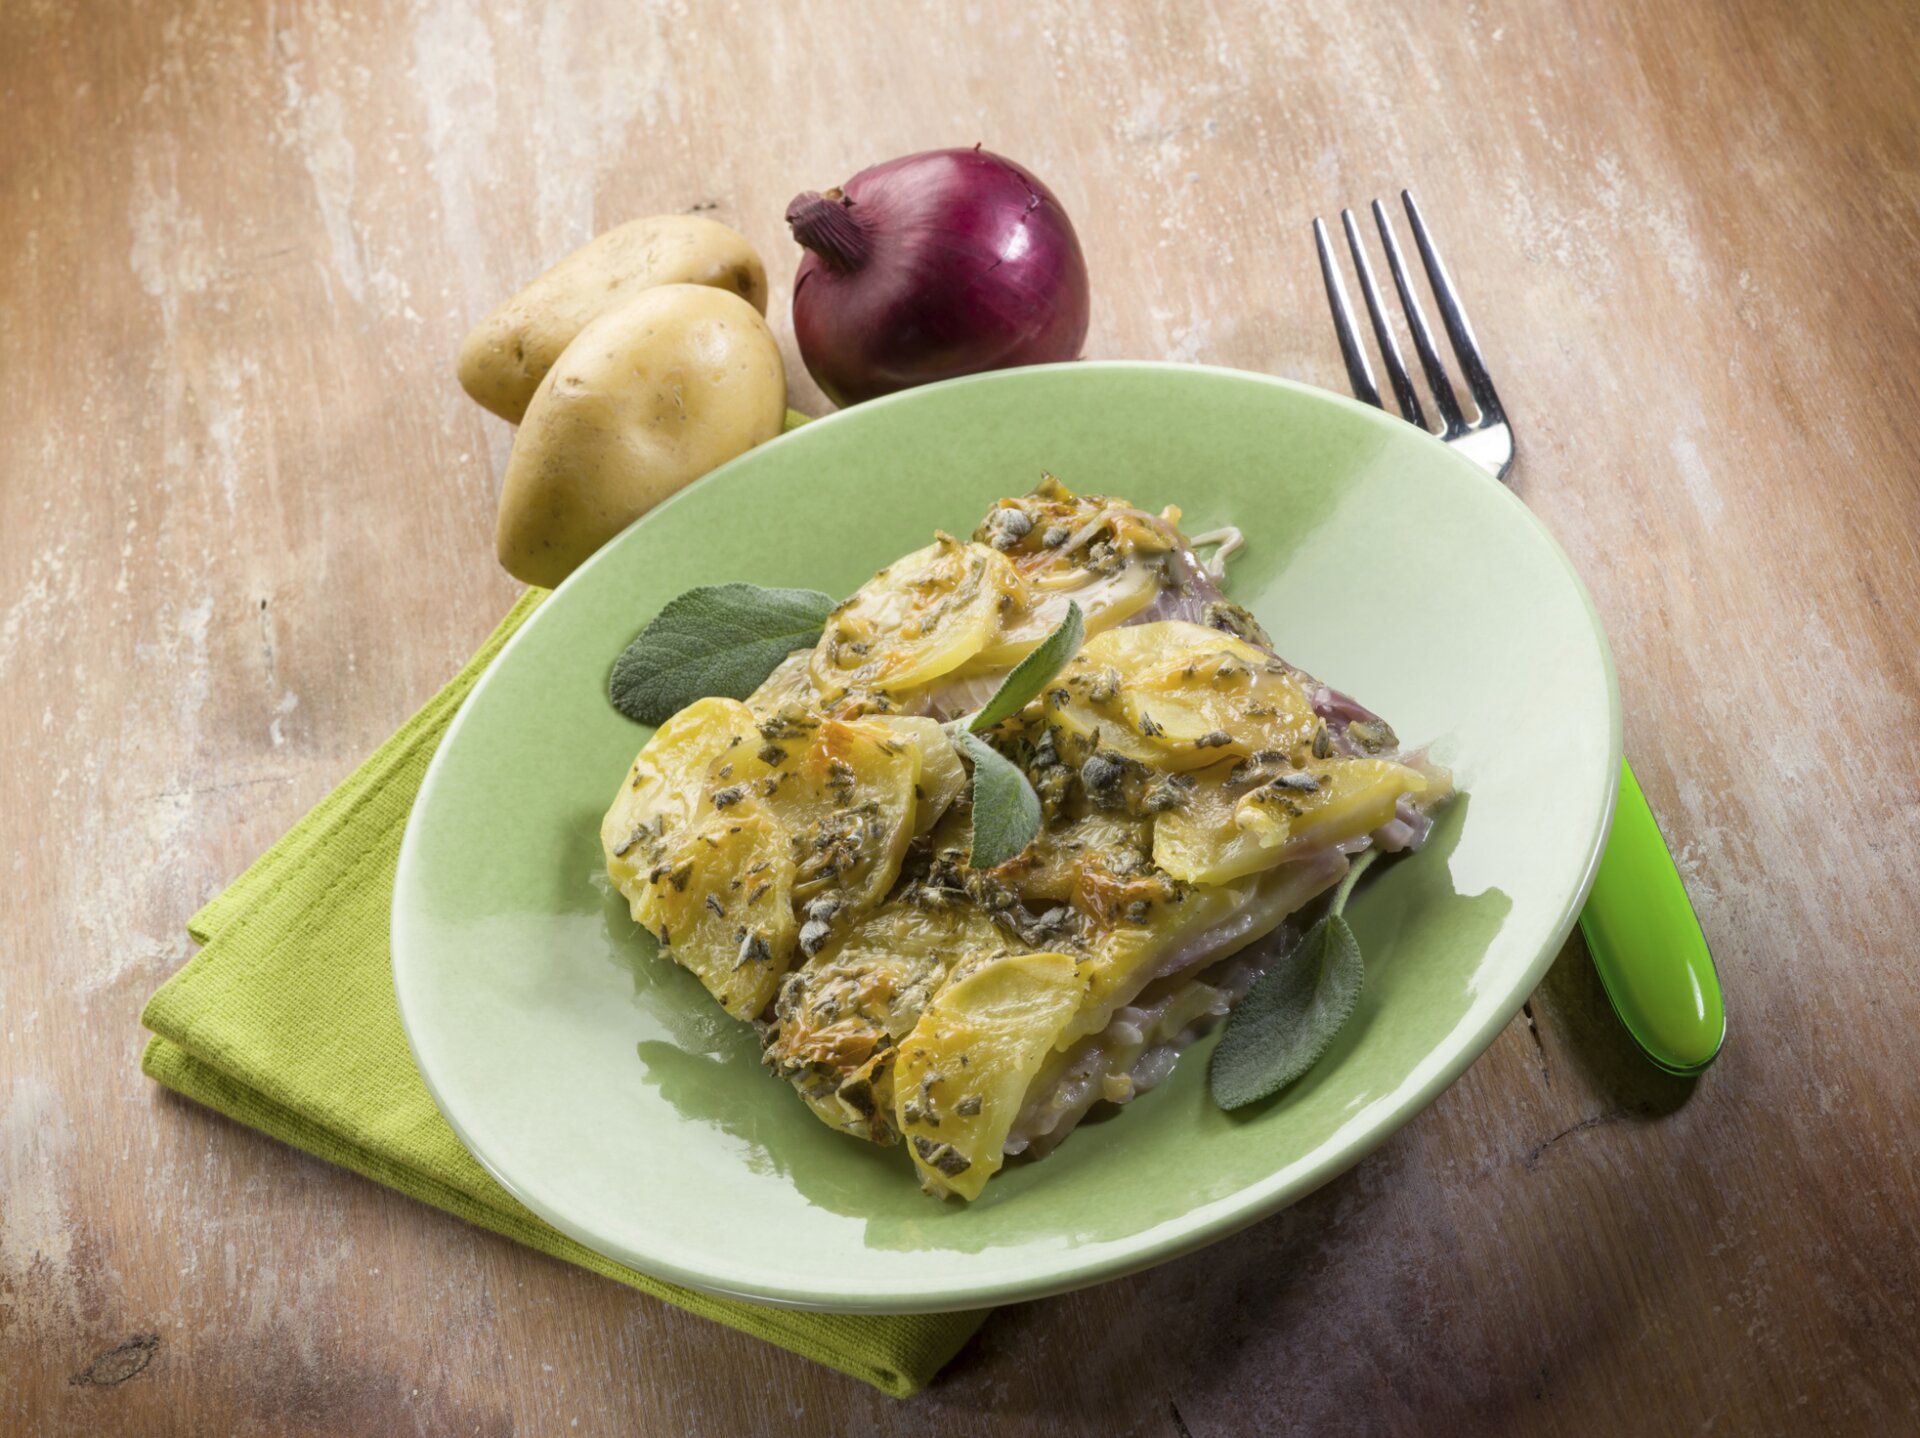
920 618
1223 832
1178 696
507 354
648 398
721 906
665 789
964 1070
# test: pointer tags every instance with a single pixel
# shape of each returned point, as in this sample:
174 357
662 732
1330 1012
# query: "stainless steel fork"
1639 926
1487 441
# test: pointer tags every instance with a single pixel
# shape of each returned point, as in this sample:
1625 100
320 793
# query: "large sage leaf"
1032 674
720 641
1289 1019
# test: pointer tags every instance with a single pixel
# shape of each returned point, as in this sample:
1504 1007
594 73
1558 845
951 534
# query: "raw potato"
510 351
648 397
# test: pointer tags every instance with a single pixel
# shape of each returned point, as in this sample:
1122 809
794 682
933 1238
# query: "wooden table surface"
245 528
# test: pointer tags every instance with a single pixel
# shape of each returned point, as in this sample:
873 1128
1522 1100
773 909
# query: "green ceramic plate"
612 1097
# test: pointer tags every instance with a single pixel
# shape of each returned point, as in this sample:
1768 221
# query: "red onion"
939 264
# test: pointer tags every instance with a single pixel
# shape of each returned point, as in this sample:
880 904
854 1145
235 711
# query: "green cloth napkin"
286 1021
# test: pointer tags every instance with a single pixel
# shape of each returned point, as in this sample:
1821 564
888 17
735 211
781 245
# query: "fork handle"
1647 945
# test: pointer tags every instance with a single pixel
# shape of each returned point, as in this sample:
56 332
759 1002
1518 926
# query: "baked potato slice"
845 791
918 619
1228 830
839 1019
1106 601
1178 697
722 907
789 686
963 1072
942 776
666 786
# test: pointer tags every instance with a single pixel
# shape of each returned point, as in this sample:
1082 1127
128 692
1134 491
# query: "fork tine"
1382 331
1359 372
1479 383
1430 361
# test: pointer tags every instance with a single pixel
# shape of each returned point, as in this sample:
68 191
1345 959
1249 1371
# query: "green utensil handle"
1647 944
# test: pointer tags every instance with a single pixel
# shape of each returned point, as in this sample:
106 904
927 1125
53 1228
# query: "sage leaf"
1006 811
1033 673
1288 1019
718 641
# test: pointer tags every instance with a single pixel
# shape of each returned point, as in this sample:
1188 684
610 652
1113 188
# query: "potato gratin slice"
804 853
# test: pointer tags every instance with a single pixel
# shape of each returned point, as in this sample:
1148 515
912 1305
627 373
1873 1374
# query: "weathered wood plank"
244 529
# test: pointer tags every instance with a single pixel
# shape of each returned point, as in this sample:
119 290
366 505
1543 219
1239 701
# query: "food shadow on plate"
827 1169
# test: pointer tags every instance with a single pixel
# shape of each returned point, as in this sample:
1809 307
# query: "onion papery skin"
931 266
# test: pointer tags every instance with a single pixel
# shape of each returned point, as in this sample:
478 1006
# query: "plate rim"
1225 1216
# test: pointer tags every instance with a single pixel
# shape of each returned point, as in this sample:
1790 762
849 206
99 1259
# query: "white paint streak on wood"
317 129
36 1238
1695 478
455 75
169 250
593 87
